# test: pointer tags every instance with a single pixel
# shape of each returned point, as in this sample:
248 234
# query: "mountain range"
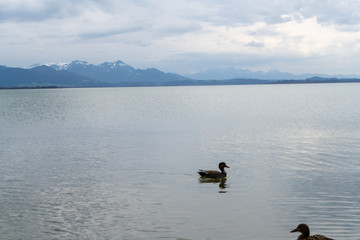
83 74
42 76
117 73
272 74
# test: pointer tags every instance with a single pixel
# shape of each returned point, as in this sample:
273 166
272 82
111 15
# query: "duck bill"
295 230
227 166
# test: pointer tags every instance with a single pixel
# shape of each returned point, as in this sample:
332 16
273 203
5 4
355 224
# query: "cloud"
232 12
255 44
299 44
34 10
333 12
108 33
173 33
164 13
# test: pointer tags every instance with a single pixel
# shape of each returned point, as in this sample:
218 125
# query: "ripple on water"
121 163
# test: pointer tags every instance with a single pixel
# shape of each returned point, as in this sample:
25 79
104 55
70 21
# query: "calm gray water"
121 163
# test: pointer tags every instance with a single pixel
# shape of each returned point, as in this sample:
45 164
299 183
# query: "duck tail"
201 173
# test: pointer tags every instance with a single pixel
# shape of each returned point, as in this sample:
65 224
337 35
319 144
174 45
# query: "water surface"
120 163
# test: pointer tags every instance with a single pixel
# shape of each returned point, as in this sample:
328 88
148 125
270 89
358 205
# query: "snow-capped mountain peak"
59 65
113 72
114 64
78 64
84 64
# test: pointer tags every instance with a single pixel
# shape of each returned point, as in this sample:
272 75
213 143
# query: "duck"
213 173
305 233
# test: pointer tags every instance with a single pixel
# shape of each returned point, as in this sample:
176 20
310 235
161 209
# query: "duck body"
213 173
305 233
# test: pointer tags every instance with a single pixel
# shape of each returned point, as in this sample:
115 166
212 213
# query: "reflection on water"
221 181
121 163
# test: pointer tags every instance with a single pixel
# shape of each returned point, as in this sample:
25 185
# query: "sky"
185 36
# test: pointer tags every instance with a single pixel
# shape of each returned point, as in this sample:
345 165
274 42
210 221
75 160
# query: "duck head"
223 165
303 229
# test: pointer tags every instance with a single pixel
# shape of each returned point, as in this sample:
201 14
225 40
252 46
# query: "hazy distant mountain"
83 74
273 74
43 76
117 72
114 74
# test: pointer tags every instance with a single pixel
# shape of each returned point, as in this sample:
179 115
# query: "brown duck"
305 233
214 174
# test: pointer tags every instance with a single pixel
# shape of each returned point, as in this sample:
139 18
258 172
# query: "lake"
121 163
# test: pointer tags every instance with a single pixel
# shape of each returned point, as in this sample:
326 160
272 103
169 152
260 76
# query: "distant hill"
43 76
83 74
273 74
319 80
118 72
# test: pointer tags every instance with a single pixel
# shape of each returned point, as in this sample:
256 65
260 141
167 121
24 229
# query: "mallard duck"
305 233
213 173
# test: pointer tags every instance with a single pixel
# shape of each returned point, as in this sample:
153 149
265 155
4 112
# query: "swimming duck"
214 174
305 233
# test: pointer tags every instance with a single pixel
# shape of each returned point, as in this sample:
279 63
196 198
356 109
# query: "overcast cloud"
185 36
